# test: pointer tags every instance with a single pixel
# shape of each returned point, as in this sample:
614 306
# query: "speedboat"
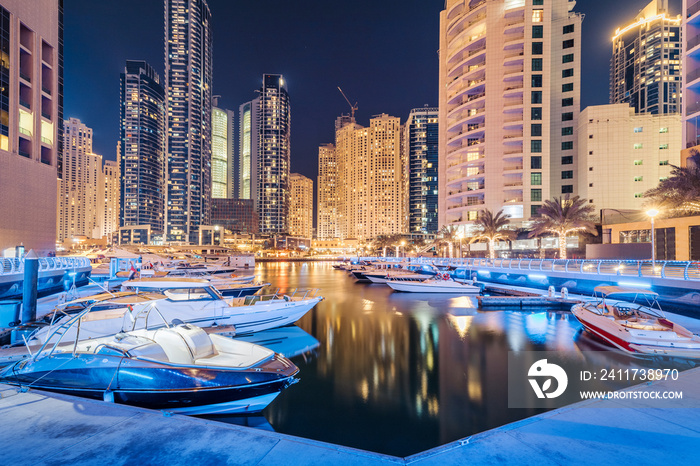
638 327
177 368
440 284
192 301
225 286
409 273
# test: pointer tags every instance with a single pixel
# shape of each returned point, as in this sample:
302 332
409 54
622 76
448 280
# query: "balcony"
513 71
25 76
46 90
469 86
693 42
25 104
693 9
25 131
511 168
469 203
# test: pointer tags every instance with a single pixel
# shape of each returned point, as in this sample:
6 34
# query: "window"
567 73
638 178
538 2
567 189
535 195
569 28
567 131
639 145
590 136
663 130
537 16
535 210
639 162
536 64
537 48
639 129
536 129
590 185
536 113
536 97
663 162
568 102
567 116
567 175
567 145
567 87
536 179
536 80
663 178
568 58
663 146
537 32
536 162
536 146
567 160
590 169
567 44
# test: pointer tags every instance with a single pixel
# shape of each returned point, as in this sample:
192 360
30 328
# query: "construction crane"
352 107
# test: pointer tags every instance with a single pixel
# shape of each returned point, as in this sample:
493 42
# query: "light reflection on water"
399 373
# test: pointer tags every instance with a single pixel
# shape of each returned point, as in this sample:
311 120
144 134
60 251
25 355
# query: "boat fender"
108 396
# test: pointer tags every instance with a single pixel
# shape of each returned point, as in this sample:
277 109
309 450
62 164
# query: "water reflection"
400 373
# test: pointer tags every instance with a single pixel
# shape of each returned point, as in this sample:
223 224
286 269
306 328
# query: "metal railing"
14 265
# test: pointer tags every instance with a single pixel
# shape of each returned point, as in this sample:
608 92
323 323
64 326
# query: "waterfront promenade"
43 428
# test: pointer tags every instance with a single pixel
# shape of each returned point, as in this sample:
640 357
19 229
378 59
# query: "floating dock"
521 297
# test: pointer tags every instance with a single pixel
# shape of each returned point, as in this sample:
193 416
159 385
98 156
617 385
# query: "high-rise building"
301 210
327 188
645 69
509 102
235 215
249 130
626 154
30 121
223 167
188 83
273 155
110 219
691 75
421 149
82 189
371 179
142 147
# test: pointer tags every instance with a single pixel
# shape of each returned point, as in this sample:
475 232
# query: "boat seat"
174 346
197 340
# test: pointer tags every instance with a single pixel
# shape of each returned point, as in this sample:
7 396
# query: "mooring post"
30 284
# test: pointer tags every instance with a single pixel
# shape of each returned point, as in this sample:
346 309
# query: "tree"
448 235
563 216
492 229
680 193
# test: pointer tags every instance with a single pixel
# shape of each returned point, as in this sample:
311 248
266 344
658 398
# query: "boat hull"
422 287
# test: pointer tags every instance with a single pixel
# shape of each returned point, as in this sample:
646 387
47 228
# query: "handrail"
15 265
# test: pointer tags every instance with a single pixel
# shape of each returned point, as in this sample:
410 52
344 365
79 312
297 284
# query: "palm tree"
563 216
448 235
493 228
680 193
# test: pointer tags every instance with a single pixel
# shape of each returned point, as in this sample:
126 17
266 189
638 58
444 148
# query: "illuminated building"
188 80
235 215
509 100
247 179
327 182
222 163
301 210
31 119
421 148
691 77
645 69
110 212
142 147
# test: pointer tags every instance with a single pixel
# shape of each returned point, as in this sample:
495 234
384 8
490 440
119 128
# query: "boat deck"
47 428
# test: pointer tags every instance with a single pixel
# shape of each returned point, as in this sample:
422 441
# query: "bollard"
550 291
30 284
564 293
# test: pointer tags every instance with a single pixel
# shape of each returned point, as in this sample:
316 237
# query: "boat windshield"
190 294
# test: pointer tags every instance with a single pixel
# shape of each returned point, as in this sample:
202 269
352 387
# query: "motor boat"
190 300
439 284
409 273
226 287
638 327
177 368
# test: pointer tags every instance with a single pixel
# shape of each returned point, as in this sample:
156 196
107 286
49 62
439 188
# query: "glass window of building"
536 162
568 58
536 179
535 195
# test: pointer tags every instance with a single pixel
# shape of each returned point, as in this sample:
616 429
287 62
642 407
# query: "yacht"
638 326
440 284
177 368
228 287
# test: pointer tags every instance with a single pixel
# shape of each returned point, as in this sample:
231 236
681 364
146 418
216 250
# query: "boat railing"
15 265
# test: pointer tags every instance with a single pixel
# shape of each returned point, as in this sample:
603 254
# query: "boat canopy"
164 283
611 290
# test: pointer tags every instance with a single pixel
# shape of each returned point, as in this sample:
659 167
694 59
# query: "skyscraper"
645 69
222 163
691 75
421 149
110 211
30 129
142 147
273 155
249 131
188 82
509 103
327 188
301 211
82 189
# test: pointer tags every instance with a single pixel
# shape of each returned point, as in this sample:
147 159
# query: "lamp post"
653 213
460 235
403 247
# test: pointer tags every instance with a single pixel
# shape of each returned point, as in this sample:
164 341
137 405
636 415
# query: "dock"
523 297
44 428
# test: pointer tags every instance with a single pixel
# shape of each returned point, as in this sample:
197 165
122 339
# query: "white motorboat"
228 287
383 276
191 301
436 285
637 327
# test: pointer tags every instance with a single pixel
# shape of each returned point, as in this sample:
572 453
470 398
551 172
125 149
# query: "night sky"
382 53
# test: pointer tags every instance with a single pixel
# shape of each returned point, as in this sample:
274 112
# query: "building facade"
188 83
223 173
421 149
691 74
301 210
645 69
625 154
110 219
249 131
327 188
235 215
142 147
372 173
273 155
30 122
509 100
82 189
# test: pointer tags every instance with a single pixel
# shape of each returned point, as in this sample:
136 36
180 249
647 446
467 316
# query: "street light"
460 235
403 246
653 213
